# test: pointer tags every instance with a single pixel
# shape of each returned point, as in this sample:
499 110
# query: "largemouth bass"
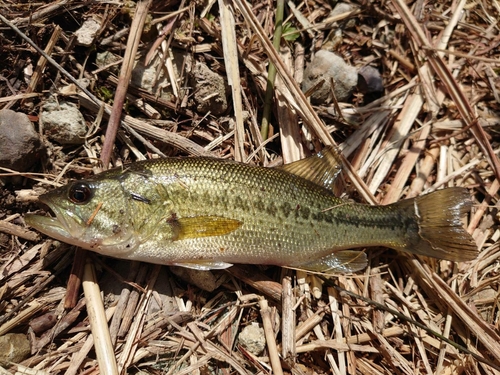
206 213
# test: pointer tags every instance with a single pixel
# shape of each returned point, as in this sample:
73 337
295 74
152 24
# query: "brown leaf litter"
435 125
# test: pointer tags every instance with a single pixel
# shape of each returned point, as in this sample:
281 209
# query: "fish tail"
440 232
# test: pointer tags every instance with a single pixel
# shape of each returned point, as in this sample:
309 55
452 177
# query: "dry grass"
435 126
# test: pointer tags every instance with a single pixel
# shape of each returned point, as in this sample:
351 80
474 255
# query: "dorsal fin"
322 168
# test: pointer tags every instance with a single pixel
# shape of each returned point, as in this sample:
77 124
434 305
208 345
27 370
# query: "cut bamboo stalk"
230 48
290 137
265 313
288 321
136 28
98 323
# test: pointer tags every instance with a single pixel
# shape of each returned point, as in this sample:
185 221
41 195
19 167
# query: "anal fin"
204 265
339 262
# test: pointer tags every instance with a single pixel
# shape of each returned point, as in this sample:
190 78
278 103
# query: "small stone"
341 8
20 144
144 77
72 89
210 90
326 66
14 347
369 80
103 59
63 122
86 34
205 280
253 339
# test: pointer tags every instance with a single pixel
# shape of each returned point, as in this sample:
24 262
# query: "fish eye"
80 193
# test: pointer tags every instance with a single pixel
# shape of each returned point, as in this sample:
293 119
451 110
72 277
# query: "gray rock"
63 122
14 347
253 339
146 78
341 8
86 34
370 80
106 58
210 90
344 8
20 144
205 280
324 67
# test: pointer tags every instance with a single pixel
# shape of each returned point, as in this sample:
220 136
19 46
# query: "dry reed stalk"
482 331
312 321
340 348
370 339
143 127
98 322
80 356
20 318
13 98
453 89
288 321
18 231
480 211
434 98
397 133
308 115
42 61
230 49
259 281
446 333
266 314
123 80
134 333
289 129
401 178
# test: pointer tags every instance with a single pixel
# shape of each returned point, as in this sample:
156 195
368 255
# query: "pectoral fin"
203 226
338 262
322 168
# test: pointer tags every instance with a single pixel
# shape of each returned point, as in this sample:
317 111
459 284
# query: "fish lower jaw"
54 227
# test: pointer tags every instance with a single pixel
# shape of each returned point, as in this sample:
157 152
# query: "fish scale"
280 225
209 213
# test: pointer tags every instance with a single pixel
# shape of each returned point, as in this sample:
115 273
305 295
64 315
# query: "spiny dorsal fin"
338 262
203 226
322 168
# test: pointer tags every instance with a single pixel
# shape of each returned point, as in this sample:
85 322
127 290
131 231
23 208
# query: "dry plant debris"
436 124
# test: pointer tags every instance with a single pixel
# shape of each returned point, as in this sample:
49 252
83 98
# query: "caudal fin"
440 230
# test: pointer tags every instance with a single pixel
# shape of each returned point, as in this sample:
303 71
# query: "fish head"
92 214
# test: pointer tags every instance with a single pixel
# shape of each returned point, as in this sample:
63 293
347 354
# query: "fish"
207 213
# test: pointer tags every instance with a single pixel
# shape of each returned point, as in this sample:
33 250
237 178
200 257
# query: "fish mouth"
64 225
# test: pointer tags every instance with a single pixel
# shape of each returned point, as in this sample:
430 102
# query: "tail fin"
440 230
